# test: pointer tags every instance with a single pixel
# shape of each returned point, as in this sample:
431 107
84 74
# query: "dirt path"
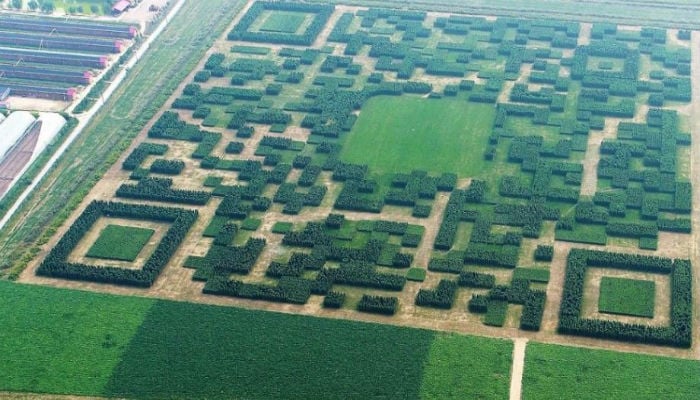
584 35
516 377
589 180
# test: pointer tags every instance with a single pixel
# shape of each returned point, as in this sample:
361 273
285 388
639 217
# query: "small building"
120 6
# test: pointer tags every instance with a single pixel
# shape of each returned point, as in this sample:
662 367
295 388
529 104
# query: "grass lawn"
627 297
63 341
284 22
118 242
446 135
451 373
559 372
583 233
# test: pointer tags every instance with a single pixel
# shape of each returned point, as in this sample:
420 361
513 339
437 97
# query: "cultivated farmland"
441 169
505 177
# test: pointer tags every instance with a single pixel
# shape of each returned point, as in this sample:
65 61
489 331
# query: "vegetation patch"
118 242
449 375
556 372
391 142
343 365
627 297
677 333
286 22
63 341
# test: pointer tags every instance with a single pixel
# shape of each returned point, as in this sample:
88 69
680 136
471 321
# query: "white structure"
51 124
12 129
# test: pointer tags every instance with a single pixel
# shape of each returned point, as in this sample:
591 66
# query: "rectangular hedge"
56 263
678 333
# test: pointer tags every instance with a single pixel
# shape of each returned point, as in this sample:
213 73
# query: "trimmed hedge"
56 262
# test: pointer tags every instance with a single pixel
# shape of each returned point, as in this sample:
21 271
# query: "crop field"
496 176
555 372
458 146
52 58
104 345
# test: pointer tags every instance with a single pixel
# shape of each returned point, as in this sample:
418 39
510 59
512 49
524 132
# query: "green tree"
33 5
47 7
17 4
95 9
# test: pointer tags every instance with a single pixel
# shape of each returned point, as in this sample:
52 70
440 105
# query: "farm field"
433 174
555 372
457 145
104 345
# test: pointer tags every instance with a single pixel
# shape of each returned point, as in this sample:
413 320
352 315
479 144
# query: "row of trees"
677 333
56 264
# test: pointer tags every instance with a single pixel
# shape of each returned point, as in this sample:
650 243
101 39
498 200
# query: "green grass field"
627 297
284 22
61 341
448 374
118 242
446 135
558 372
71 342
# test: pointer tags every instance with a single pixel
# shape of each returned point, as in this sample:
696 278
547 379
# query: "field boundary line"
84 120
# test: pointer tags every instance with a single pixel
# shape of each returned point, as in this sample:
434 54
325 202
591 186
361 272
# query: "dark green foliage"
476 280
288 289
180 336
544 253
225 235
158 189
139 154
378 304
443 296
168 167
335 221
531 318
676 334
56 263
358 274
234 148
334 300
478 304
